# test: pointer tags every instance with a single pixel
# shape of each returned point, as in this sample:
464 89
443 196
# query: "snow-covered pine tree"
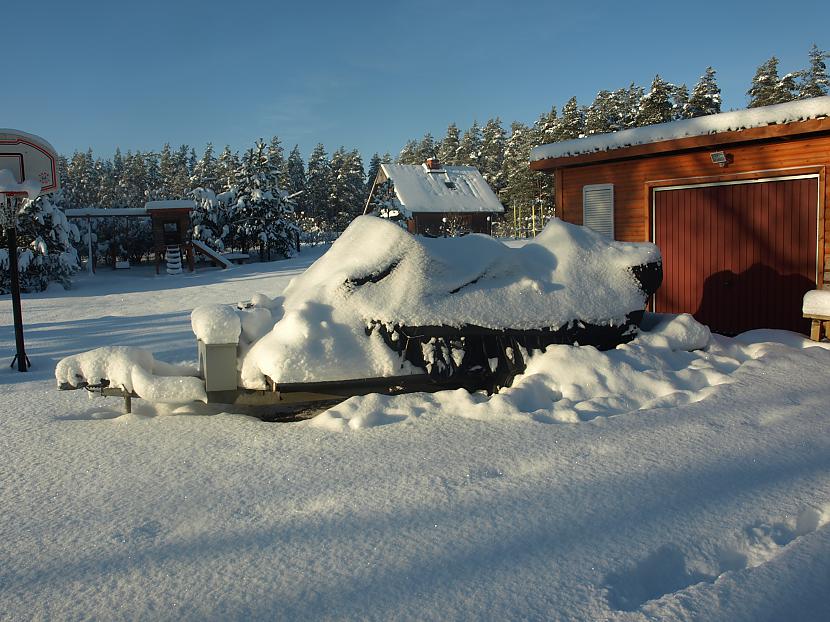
294 178
45 252
372 173
85 181
426 149
469 151
448 148
603 115
547 124
408 155
572 122
347 190
204 171
277 157
261 209
767 88
166 174
180 182
520 193
628 101
814 80
705 98
212 219
492 154
680 100
226 169
318 182
154 185
656 105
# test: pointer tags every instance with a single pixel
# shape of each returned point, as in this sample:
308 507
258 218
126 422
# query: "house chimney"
433 164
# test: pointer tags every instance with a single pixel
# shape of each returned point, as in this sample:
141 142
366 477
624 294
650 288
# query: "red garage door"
738 256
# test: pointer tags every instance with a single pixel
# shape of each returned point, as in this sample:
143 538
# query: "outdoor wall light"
719 158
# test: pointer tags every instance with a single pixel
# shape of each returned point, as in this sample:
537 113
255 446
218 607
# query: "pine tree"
469 151
347 189
277 157
260 208
628 101
603 115
656 105
492 154
449 146
372 173
426 149
205 173
572 122
547 125
167 173
705 98
767 88
226 169
814 80
409 153
318 182
180 183
294 177
680 101
519 195
45 252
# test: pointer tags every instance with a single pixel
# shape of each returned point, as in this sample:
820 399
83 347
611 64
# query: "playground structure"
173 245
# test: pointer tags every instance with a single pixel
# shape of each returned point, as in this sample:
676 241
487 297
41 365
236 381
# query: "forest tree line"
259 198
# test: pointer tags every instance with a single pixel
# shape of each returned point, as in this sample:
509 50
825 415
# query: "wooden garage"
736 201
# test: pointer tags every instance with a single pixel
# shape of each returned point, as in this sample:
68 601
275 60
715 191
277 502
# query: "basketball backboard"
29 158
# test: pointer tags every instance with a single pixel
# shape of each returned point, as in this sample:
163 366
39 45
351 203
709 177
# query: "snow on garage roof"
450 189
711 124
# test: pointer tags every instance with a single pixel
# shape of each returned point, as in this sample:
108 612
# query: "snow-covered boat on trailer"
387 312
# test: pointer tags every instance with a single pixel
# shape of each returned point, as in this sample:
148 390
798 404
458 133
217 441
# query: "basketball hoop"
28 168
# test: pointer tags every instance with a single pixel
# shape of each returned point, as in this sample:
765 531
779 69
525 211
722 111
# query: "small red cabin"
433 199
736 202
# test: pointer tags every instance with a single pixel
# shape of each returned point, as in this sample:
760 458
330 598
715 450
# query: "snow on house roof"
711 124
448 190
170 204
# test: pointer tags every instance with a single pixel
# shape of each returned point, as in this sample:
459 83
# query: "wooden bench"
819 322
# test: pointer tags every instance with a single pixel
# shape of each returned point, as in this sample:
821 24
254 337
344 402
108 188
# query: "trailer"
419 315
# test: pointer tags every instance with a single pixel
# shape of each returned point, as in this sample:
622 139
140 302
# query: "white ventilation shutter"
598 208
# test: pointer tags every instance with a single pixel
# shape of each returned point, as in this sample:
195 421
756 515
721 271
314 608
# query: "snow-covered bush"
45 251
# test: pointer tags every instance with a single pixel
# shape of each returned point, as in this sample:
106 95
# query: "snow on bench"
816 307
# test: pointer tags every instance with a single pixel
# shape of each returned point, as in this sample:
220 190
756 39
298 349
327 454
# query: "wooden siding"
634 179
738 256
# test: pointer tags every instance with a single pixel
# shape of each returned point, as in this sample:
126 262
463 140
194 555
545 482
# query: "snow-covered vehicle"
385 311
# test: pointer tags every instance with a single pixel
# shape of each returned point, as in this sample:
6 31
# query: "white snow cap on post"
216 324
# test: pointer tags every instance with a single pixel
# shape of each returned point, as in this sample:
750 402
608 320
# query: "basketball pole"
11 236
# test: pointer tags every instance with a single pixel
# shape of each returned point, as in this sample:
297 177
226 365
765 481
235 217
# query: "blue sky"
365 75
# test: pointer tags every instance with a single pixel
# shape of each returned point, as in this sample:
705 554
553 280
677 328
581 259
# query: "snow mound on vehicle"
378 273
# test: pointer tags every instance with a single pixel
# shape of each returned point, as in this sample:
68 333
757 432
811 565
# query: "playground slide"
207 251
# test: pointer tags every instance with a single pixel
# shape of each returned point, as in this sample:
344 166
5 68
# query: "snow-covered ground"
650 482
